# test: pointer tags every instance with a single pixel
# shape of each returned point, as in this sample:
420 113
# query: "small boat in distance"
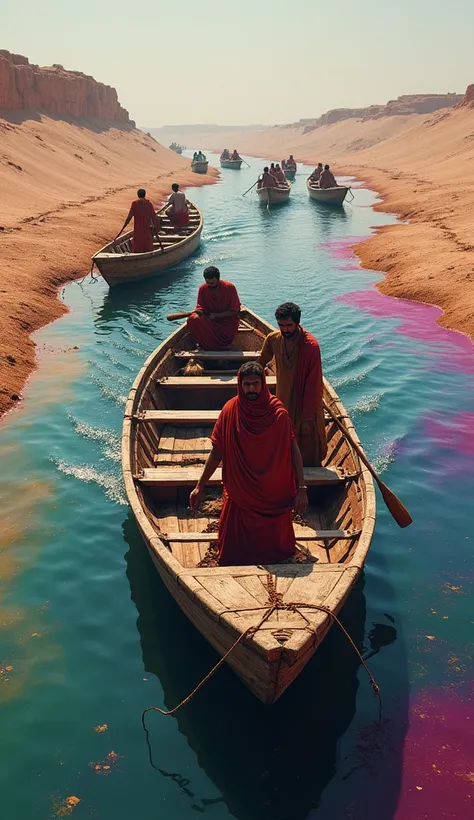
289 168
234 164
118 264
166 439
199 166
178 149
330 196
274 195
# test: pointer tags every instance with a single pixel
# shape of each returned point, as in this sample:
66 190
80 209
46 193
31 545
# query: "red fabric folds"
144 216
309 376
254 439
219 333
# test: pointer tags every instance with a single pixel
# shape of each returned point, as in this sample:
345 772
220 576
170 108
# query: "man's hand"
196 497
305 428
301 501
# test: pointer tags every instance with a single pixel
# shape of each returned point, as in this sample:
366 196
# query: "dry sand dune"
65 189
423 165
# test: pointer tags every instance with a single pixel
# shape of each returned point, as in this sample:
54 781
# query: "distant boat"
178 149
274 195
330 196
231 163
117 263
200 166
289 173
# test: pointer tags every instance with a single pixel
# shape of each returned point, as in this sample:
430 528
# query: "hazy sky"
254 61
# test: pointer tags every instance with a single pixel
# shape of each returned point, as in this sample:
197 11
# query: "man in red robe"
215 319
299 380
145 221
262 474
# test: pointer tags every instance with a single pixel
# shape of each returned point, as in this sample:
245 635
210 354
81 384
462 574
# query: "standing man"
327 179
177 210
267 180
299 380
145 221
262 474
215 320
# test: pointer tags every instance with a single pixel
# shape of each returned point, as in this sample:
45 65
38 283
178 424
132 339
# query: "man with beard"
262 474
299 380
215 319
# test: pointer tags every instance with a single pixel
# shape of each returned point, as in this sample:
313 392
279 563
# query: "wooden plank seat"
185 417
188 476
213 355
205 381
301 533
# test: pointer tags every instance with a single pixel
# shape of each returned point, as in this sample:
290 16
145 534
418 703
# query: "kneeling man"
215 319
262 474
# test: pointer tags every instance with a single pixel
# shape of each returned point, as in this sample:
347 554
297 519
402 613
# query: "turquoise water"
90 637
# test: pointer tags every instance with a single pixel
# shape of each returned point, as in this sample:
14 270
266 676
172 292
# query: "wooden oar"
244 160
394 505
252 186
173 316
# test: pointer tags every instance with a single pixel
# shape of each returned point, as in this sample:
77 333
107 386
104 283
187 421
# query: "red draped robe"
308 386
255 441
144 216
219 333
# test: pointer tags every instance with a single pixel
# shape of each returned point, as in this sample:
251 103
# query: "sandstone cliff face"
55 90
468 99
406 104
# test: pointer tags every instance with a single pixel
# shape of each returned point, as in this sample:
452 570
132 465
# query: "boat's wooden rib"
166 438
330 196
118 264
274 195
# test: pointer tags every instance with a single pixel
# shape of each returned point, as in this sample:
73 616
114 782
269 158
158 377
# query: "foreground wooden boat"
234 164
274 195
200 166
331 196
118 264
166 439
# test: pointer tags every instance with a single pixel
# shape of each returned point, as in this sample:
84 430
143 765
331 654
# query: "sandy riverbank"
65 189
423 166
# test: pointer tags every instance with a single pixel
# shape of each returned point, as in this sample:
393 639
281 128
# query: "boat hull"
233 164
274 195
290 174
223 602
329 196
119 268
200 167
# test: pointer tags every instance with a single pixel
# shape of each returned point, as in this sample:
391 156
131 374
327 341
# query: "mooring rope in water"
276 604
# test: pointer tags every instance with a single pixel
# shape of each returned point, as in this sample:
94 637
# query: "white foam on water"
111 484
111 441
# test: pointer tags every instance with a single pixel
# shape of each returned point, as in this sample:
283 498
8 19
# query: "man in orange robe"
262 474
327 178
299 380
144 217
215 319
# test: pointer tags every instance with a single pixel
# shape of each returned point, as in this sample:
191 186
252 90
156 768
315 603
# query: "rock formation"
468 99
406 104
56 91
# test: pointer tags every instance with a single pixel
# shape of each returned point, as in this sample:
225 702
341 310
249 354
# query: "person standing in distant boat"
327 179
278 173
215 319
225 154
267 180
235 154
145 223
177 210
290 163
299 380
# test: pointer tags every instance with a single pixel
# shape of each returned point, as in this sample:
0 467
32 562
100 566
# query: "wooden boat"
200 167
234 164
178 149
330 196
289 173
166 439
117 263
274 195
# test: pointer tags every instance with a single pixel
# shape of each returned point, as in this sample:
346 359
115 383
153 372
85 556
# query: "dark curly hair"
251 369
211 272
288 310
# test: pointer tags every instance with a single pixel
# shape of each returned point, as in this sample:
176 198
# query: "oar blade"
395 506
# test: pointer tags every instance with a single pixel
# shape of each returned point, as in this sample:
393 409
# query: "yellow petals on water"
66 807
100 728
105 766
430 637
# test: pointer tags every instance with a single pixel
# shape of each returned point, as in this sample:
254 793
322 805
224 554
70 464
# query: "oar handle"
173 316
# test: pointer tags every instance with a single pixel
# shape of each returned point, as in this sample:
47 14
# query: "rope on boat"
276 604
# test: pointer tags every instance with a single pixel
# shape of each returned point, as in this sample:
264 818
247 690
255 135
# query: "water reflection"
269 763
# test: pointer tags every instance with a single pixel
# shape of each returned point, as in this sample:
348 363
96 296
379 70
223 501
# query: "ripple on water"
111 483
110 440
